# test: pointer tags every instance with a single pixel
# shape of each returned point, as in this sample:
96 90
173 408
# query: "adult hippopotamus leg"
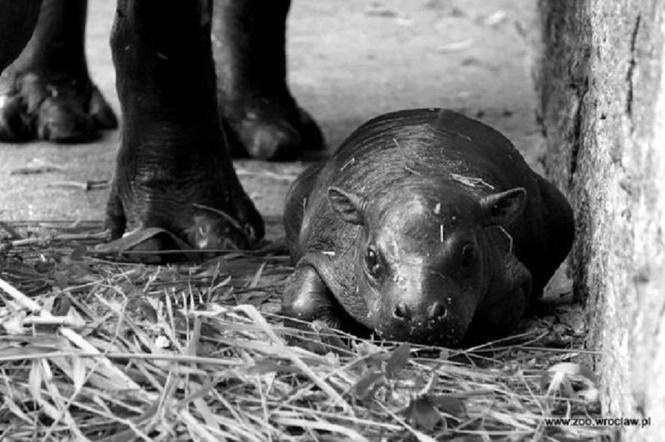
17 21
47 93
262 118
173 170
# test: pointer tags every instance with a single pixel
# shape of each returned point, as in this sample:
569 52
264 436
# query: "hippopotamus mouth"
440 333
441 323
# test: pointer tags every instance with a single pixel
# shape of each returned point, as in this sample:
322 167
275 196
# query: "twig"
61 237
83 185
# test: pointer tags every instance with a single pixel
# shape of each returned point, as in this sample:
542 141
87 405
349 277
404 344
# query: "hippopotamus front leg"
307 298
47 93
17 22
173 169
261 117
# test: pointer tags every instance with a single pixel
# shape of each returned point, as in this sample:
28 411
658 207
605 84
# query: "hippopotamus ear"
349 206
503 208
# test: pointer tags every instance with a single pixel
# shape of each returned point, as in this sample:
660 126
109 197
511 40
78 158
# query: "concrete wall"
602 108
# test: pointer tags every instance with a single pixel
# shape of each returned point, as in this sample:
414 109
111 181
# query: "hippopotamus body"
423 226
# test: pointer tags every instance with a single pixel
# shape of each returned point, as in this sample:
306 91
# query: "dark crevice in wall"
576 142
631 67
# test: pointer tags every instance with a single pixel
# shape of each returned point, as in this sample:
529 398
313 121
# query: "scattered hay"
102 350
471 181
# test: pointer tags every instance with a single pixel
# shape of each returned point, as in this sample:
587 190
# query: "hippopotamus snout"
424 324
435 312
419 319
432 311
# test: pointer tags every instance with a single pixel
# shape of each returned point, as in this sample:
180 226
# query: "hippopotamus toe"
266 140
62 122
218 230
15 124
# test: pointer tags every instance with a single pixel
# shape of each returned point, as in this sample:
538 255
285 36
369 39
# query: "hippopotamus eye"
372 262
469 255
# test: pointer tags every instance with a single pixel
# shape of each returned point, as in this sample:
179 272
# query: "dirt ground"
349 61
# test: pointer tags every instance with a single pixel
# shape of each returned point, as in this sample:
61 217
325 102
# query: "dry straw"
93 349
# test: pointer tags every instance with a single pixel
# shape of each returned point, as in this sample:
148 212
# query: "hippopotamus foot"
65 110
47 93
308 299
262 119
270 128
201 203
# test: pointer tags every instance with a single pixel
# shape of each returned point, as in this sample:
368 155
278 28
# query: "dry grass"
101 350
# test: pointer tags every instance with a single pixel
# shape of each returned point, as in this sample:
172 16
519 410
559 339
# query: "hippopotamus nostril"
402 312
436 311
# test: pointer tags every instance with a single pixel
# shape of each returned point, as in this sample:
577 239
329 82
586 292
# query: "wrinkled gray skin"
424 226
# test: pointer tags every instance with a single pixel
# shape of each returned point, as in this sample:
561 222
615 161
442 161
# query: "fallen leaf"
367 383
130 246
451 406
569 379
422 413
398 359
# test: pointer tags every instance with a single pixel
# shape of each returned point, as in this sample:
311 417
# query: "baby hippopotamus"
424 226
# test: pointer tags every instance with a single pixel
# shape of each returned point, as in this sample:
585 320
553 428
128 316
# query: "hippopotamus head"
423 258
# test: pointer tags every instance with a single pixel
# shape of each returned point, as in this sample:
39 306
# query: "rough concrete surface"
603 109
349 61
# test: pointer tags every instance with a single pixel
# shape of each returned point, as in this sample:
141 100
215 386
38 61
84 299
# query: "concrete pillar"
602 106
